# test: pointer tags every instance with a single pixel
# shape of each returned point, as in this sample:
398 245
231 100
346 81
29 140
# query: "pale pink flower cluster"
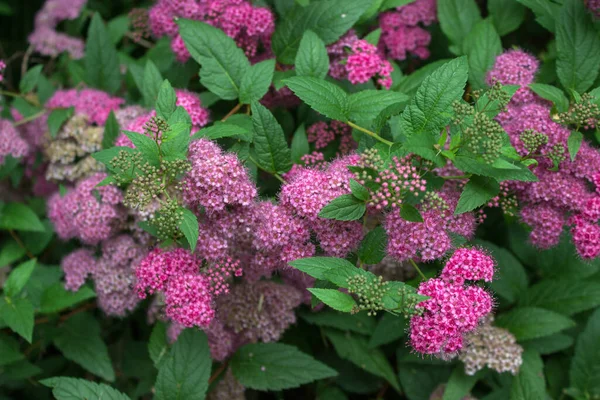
11 143
251 27
95 104
402 31
322 133
515 67
453 308
46 40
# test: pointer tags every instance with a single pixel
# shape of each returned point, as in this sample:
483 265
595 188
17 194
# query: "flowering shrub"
324 199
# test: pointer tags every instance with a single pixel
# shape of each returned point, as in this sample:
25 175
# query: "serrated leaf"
359 191
566 297
20 217
410 83
146 146
276 366
189 227
531 322
507 15
223 62
18 278
300 146
9 350
157 345
460 384
344 208
335 299
477 192
151 84
473 166
111 131
482 45
584 373
56 298
578 47
175 141
549 344
366 105
312 59
372 248
57 118
529 382
574 143
355 349
551 93
269 141
457 18
389 329
166 100
79 340
185 373
64 388
17 313
410 213
329 19
317 267
223 129
545 12
30 79
360 323
322 96
101 60
256 81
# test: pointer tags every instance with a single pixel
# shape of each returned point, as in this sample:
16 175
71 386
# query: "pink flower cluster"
11 143
430 239
560 198
402 31
249 26
361 64
216 179
88 213
322 133
45 39
594 7
95 104
453 308
2 68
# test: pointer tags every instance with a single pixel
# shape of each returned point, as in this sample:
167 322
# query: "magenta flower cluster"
94 104
454 308
323 133
11 143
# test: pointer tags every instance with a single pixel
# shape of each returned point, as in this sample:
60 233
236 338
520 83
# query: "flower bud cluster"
368 292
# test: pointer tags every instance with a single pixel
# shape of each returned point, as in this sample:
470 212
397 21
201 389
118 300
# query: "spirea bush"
309 199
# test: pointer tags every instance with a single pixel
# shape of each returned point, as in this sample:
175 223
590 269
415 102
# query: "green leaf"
566 297
146 146
355 349
585 364
478 191
545 12
389 4
10 251
57 118
9 350
176 140
224 129
189 227
223 62
312 59
360 323
18 315
373 37
300 146
18 278
419 381
366 105
517 172
372 248
276 366
410 83
460 384
317 267
151 84
410 213
185 373
531 322
574 143
335 299
389 329
64 388
529 382
431 108
31 78
549 344
329 19
111 131
344 208
578 47
322 96
457 18
101 60
166 100
80 341
20 217
117 28
507 15
269 141
158 347
551 93
256 81
482 45
359 191
56 298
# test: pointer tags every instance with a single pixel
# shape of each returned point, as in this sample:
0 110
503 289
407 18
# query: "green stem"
11 94
414 264
368 132
30 118
275 174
